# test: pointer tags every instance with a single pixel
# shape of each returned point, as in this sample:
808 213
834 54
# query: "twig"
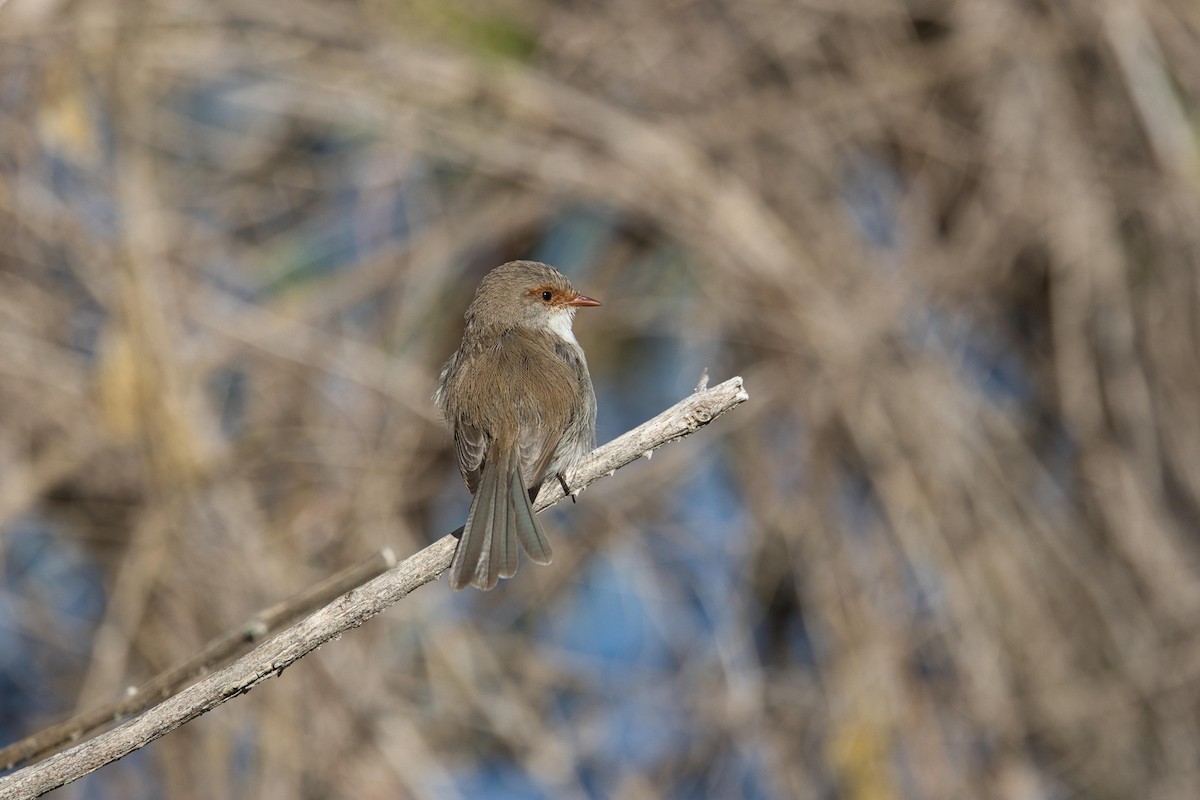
351 609
166 683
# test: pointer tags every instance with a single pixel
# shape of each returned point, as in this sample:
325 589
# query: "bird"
519 399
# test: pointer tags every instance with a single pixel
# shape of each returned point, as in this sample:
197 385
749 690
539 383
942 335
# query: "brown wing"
536 447
537 395
470 443
549 402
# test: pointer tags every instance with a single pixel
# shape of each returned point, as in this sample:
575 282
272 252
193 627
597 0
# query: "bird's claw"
563 483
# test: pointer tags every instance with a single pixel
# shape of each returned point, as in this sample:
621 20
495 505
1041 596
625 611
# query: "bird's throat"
560 324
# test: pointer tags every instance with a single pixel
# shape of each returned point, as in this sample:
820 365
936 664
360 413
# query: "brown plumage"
519 398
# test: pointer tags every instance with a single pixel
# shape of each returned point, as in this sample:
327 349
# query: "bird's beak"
582 300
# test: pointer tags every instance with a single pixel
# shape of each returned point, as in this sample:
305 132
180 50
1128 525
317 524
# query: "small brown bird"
519 397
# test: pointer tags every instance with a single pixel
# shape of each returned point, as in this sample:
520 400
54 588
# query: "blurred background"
947 550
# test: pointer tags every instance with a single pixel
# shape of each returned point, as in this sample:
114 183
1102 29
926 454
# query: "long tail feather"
489 573
501 515
473 553
525 523
506 549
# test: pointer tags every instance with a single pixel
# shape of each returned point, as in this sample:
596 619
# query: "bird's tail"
501 515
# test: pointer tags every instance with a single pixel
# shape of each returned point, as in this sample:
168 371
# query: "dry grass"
951 245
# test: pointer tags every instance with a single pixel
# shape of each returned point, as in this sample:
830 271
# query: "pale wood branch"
232 643
351 609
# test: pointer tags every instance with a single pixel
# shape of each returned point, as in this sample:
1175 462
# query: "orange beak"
582 300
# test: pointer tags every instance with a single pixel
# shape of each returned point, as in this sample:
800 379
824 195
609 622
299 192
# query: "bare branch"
265 623
351 609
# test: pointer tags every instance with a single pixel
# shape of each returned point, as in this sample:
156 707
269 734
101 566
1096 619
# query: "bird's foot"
563 483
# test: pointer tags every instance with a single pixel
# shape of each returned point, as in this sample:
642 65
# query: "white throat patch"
560 323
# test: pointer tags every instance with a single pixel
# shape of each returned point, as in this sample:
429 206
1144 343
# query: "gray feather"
471 557
525 524
507 546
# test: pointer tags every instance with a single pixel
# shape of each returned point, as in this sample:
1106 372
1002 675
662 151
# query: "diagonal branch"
351 609
216 653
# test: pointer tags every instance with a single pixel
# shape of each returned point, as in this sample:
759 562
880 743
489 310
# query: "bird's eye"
547 295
